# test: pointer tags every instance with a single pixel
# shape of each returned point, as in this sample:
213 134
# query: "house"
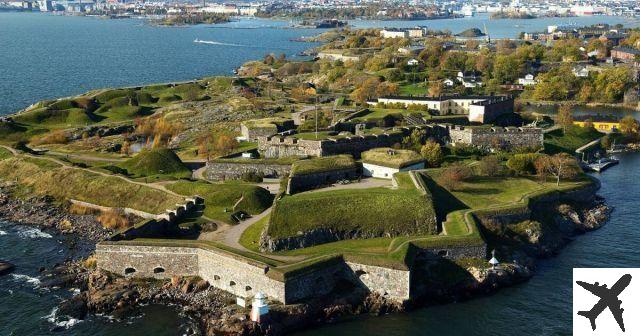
413 62
481 109
580 71
384 162
527 80
470 79
394 33
449 82
416 32
411 49
624 53
602 123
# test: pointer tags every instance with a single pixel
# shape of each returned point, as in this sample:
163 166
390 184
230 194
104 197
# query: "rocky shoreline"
214 311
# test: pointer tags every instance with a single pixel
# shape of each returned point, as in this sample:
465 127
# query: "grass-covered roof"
393 158
323 164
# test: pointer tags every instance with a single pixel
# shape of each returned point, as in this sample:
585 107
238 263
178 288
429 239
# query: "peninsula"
394 170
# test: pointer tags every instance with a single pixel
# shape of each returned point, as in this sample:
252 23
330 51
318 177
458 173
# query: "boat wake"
218 43
2 233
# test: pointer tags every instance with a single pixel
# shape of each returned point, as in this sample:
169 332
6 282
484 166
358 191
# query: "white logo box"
584 300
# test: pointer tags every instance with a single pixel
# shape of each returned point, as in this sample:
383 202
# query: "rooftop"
598 118
393 158
323 164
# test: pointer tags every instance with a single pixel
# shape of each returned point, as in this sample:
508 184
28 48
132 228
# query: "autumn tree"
432 153
217 143
452 177
565 116
415 140
435 89
560 166
490 166
629 125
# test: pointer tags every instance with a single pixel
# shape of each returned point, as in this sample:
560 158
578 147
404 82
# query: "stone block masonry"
300 183
244 277
233 170
497 137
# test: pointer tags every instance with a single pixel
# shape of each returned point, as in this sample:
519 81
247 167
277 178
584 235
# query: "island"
301 192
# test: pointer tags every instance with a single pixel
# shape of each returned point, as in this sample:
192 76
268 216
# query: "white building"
449 82
527 80
580 71
413 62
394 33
384 162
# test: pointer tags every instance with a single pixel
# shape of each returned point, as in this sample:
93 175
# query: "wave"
28 279
218 43
33 233
53 318
2 233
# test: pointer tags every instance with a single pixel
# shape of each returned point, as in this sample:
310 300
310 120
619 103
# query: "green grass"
221 196
374 212
5 154
323 164
153 162
43 177
394 158
417 89
574 138
250 238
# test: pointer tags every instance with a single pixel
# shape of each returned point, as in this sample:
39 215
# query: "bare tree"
560 166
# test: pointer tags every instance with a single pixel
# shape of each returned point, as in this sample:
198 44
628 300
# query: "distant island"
192 19
471 32
512 15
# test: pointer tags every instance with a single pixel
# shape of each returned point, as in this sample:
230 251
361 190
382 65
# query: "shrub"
115 220
523 163
90 263
145 98
490 166
78 209
432 152
55 137
465 150
453 176
252 176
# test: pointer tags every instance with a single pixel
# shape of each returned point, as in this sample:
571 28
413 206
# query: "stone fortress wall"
492 137
300 183
244 278
484 137
280 147
217 171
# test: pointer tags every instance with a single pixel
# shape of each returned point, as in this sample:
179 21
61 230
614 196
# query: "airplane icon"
608 299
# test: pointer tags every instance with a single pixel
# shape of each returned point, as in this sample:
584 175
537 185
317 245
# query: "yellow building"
604 124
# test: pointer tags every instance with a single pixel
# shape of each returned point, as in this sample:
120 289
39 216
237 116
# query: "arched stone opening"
248 288
232 283
158 270
216 277
443 253
129 270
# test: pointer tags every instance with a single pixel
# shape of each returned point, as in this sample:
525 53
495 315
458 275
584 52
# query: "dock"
601 165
